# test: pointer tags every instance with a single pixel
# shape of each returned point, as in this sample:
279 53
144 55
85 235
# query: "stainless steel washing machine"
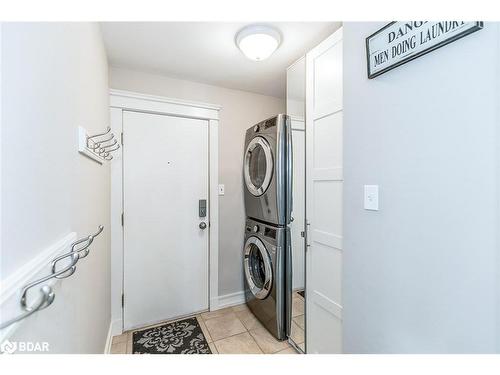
267 170
266 250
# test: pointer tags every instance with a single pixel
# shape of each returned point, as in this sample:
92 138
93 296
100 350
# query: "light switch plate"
221 189
371 197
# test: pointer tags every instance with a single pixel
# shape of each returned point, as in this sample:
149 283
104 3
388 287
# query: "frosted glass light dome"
258 42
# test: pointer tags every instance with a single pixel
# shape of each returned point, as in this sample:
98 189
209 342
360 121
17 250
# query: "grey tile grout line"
236 334
253 338
206 328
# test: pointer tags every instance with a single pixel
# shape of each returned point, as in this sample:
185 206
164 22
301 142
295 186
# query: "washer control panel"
253 228
270 232
262 229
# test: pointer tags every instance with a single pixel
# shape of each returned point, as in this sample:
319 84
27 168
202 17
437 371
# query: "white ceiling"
206 51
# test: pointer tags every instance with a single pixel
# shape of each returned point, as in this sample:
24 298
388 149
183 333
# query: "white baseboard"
231 299
115 329
109 338
214 304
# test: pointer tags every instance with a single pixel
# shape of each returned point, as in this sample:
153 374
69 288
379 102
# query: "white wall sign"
400 42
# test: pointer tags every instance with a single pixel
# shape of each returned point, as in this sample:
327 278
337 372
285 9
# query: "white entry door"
165 175
324 182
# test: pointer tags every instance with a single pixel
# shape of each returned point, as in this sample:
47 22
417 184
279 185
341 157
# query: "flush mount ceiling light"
258 42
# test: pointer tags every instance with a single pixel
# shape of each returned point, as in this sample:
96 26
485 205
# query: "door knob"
203 225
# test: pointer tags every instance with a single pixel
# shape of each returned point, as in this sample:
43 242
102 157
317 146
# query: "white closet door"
324 183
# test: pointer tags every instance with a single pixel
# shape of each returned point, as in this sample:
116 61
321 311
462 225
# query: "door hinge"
122 219
123 300
121 138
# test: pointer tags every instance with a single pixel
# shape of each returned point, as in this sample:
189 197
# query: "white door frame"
132 101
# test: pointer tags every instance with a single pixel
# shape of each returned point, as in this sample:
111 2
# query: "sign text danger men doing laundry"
400 42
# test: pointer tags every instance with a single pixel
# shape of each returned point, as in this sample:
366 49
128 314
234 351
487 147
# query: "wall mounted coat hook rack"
47 294
97 147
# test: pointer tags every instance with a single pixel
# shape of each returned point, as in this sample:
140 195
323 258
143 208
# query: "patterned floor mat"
180 337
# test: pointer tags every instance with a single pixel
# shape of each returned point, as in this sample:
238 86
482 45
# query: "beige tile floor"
233 330
298 322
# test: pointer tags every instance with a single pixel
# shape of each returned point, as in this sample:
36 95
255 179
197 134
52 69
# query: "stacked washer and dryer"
267 175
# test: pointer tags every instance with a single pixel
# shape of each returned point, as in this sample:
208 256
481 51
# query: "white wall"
54 78
296 89
421 274
240 110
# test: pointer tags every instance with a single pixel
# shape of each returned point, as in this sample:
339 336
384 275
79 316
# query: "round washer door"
258 268
258 166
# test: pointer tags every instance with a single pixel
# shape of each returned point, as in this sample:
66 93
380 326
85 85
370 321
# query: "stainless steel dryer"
265 252
267 170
